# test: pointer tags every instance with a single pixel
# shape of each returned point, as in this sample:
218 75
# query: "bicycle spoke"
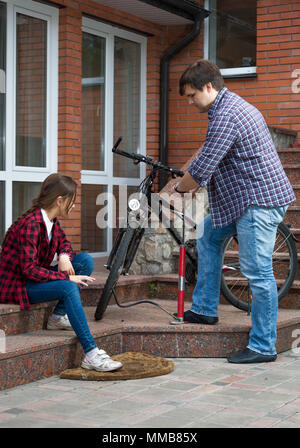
284 259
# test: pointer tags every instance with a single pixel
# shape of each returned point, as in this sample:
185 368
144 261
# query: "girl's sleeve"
28 241
64 246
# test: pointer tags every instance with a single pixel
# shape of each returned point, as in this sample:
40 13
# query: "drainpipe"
164 90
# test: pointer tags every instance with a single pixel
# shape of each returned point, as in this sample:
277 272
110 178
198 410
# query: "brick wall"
69 109
278 56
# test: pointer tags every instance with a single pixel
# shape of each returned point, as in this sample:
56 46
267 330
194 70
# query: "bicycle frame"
146 189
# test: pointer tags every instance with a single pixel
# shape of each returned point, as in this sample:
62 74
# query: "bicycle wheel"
234 285
115 272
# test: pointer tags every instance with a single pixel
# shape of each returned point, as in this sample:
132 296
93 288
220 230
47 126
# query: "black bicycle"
234 286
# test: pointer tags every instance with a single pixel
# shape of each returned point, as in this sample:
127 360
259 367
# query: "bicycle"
234 286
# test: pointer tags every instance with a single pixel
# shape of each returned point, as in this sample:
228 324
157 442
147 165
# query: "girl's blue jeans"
256 230
68 295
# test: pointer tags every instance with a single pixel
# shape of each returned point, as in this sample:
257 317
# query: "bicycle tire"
237 293
115 272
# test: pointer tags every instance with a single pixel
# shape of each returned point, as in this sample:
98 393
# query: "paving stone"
211 395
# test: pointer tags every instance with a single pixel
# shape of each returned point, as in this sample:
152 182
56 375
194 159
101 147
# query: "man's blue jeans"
256 230
68 295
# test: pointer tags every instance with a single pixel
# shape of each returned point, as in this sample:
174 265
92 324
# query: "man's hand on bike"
192 191
81 280
186 184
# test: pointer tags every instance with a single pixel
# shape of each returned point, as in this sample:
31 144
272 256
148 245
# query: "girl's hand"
81 280
64 264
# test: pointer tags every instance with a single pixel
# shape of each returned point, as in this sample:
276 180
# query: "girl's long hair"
53 186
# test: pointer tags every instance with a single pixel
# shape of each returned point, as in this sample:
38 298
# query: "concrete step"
144 328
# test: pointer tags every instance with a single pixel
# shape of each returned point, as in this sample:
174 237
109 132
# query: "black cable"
140 302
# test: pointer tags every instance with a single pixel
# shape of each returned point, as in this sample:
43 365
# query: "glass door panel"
93 238
31 91
127 97
23 193
2 83
2 210
93 102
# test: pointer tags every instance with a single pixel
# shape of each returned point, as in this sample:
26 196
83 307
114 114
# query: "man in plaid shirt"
248 193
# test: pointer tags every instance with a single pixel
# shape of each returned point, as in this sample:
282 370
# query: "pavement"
198 393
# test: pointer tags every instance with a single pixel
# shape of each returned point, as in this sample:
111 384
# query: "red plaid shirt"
27 255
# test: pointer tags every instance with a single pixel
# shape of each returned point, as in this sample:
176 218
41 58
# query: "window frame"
237 72
11 171
106 177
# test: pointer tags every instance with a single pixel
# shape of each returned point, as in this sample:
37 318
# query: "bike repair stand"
181 279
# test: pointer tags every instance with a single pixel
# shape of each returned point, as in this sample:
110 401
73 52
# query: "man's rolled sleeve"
221 136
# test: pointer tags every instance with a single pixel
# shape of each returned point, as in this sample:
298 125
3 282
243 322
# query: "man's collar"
216 103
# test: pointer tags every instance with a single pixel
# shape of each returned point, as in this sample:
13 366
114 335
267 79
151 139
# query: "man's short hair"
200 73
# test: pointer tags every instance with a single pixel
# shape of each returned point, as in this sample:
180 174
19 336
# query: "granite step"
280 262
296 189
290 301
293 172
292 216
168 290
143 328
14 321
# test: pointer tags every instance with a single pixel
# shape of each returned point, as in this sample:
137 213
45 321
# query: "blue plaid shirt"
239 163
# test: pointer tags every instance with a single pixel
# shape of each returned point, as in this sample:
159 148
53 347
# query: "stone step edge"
293 208
14 312
291 166
51 358
162 278
19 345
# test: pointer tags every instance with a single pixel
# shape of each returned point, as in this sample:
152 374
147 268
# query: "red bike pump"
181 277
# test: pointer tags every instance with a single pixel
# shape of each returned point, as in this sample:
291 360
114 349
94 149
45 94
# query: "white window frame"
226 72
105 177
13 173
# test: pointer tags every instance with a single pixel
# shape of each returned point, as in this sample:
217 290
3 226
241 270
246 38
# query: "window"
231 36
28 126
93 102
113 105
2 82
31 95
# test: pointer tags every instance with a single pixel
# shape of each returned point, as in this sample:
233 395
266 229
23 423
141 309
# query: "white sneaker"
62 323
101 362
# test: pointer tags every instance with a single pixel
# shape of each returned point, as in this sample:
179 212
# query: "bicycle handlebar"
148 160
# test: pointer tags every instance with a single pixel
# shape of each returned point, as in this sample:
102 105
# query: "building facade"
75 75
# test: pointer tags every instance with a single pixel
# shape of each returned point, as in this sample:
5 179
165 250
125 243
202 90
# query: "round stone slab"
135 366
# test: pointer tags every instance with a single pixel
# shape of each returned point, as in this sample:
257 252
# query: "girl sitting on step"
26 274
